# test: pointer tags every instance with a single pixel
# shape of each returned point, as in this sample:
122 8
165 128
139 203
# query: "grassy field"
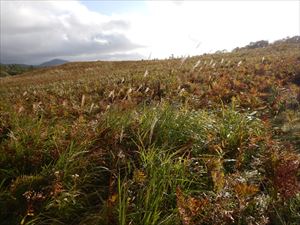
212 139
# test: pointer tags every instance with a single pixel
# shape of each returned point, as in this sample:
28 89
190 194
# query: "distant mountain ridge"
16 69
53 62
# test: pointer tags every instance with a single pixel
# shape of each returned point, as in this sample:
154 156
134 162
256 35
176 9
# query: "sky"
36 31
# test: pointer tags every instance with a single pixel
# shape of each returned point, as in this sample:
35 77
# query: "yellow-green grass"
212 139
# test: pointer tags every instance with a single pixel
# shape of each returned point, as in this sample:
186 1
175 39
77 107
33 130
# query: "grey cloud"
178 2
45 45
32 33
105 57
116 24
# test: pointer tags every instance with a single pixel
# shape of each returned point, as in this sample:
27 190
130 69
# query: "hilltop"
210 139
53 62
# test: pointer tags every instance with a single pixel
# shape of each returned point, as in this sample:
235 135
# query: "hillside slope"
210 139
14 69
53 62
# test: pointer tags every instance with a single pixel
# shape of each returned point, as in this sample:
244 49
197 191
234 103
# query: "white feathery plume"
197 64
183 60
129 91
91 108
82 100
146 73
111 94
198 45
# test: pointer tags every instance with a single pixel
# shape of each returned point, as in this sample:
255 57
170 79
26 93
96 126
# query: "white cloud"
33 31
216 25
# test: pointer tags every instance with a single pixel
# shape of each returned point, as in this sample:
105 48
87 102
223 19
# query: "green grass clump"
150 193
